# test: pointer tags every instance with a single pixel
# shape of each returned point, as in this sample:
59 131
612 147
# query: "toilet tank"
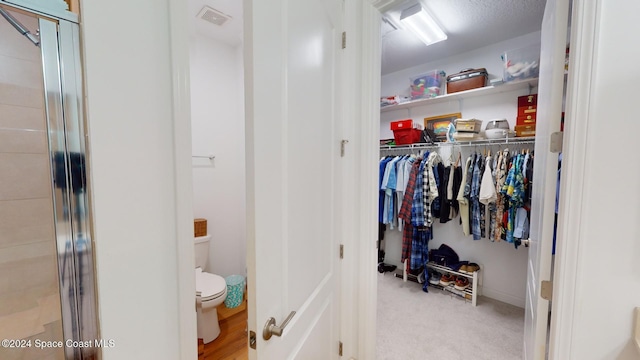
201 250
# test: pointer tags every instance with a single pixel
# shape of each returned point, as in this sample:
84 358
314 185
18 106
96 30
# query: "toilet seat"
210 286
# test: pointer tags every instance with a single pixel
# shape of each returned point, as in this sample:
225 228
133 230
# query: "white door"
550 93
292 51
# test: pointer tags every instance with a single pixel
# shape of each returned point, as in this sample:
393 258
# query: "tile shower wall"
29 295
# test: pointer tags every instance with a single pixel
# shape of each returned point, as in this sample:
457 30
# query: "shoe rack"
470 293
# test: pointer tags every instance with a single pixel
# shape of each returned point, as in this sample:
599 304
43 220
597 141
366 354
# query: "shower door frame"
64 107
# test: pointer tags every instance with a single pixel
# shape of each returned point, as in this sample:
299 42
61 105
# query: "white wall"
217 112
603 243
128 68
504 271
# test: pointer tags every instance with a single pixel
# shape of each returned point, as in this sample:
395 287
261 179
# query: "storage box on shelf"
525 130
526 120
527 110
468 125
466 80
470 293
427 85
522 63
406 131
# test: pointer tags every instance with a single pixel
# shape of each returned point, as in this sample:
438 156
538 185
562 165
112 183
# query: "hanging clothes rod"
485 142
210 157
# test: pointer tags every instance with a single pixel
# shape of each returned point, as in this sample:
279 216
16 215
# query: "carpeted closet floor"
416 325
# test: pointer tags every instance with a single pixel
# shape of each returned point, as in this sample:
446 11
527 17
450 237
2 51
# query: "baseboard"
504 297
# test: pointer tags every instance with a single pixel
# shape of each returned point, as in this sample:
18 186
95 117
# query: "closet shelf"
487 90
470 293
514 141
446 269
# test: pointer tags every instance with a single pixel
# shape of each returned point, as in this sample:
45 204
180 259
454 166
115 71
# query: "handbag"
444 255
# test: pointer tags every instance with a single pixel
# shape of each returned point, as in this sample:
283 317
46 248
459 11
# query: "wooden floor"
231 344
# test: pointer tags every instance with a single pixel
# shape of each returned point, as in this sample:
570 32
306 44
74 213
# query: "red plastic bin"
407 136
402 124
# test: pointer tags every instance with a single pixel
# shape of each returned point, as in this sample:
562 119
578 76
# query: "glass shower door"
47 289
29 286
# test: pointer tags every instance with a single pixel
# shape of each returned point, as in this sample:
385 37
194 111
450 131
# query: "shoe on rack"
435 278
472 267
447 279
461 283
463 269
420 278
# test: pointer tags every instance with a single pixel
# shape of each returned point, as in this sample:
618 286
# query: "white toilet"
212 290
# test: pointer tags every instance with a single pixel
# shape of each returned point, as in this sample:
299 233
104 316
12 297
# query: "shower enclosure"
47 289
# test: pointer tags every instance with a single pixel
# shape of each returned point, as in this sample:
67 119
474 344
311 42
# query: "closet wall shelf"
470 293
487 90
514 141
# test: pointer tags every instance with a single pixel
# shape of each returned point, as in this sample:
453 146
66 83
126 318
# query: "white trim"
183 178
46 8
504 297
369 132
577 119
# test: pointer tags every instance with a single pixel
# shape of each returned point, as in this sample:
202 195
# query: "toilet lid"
210 285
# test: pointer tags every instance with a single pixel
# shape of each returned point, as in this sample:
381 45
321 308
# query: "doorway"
218 150
501 284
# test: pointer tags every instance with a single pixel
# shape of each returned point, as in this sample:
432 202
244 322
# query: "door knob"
270 328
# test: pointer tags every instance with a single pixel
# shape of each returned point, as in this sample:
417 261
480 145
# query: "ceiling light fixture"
422 24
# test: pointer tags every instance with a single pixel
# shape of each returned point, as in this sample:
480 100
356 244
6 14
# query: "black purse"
444 255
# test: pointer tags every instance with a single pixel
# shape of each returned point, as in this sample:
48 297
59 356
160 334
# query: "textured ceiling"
469 24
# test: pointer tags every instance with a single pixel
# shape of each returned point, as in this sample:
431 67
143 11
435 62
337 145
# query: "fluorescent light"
422 24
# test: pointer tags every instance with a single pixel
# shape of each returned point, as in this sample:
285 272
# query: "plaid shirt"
420 247
417 210
476 217
407 201
405 211
431 186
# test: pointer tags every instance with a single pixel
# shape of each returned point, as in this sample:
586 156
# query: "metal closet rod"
486 142
18 26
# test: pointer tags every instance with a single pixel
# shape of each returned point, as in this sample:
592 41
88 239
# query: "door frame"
179 39
584 20
358 329
584 45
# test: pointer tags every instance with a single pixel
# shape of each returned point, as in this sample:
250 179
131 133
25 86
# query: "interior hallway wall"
217 115
130 113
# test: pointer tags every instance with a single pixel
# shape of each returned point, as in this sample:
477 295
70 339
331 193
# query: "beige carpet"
416 325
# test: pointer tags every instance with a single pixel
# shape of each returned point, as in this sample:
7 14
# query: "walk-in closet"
460 128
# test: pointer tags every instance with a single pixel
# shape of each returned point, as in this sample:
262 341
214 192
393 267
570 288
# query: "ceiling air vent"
213 16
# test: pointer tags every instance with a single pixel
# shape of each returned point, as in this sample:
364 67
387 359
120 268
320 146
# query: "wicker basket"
199 227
